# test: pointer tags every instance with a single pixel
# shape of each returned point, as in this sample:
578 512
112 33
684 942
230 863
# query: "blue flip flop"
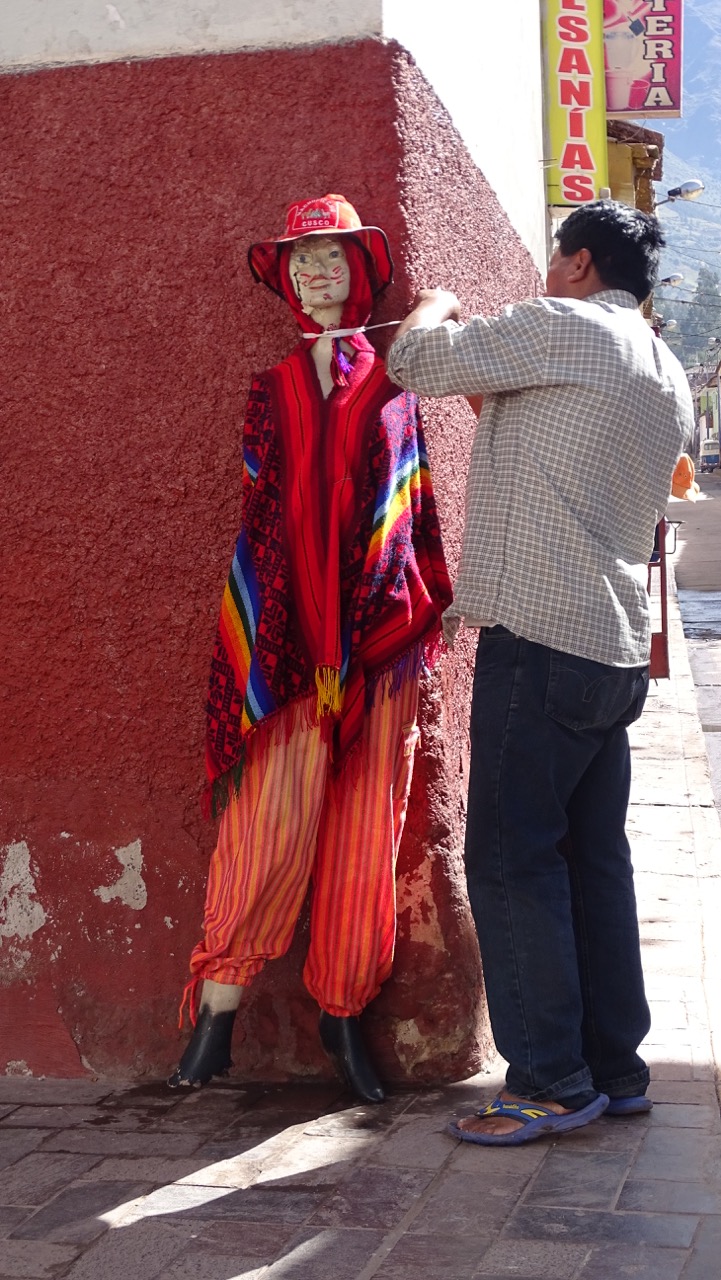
537 1121
635 1106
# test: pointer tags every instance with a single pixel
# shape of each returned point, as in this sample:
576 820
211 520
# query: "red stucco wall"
131 326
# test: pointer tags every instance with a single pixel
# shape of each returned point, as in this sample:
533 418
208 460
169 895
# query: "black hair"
624 243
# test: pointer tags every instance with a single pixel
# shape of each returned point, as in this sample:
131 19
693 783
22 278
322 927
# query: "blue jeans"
549 869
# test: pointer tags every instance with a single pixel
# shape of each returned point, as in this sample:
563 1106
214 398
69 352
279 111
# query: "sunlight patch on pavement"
266 1162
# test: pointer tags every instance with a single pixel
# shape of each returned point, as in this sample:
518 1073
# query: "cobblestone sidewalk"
102 1182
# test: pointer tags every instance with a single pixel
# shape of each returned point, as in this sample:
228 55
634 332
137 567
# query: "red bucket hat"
329 215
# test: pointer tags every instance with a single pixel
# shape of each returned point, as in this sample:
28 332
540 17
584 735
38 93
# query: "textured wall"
470 59
131 326
484 61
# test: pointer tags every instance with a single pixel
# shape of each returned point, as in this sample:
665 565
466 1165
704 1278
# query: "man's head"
605 245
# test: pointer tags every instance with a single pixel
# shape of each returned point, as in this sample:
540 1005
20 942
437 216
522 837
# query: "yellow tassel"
327 681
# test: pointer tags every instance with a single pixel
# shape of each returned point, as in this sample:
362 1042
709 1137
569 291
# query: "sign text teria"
642 45
576 100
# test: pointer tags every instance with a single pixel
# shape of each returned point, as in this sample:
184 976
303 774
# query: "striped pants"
294 823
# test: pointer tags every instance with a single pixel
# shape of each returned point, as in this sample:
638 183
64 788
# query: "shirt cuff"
395 357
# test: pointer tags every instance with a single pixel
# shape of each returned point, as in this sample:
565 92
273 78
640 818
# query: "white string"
348 333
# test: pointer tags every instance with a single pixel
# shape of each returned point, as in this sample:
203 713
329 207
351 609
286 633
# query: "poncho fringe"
303 714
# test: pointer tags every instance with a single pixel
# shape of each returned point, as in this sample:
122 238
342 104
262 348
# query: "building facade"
145 145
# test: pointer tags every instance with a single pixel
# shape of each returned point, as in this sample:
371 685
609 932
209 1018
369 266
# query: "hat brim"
264 256
687 495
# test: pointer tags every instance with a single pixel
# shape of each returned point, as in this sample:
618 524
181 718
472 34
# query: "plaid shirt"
585 413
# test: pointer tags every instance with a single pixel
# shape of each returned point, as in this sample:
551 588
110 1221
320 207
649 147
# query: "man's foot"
504 1124
509 1120
635 1106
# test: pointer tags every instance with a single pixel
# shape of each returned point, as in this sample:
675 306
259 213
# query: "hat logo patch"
314 217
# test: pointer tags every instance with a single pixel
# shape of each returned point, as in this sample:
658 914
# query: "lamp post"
658 324
714 344
661 326
690 190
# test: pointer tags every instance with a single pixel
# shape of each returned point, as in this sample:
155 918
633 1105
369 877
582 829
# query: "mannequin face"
321 277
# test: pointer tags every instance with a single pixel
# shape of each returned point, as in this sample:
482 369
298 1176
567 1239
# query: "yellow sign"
575 101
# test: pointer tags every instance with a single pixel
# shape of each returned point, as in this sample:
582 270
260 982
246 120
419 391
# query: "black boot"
208 1053
342 1040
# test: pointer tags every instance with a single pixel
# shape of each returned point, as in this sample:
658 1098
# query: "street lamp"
658 324
661 326
690 190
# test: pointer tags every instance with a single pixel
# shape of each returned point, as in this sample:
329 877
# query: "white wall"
484 60
36 33
482 57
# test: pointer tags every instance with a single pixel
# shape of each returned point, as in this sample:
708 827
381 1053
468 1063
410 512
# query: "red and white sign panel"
642 54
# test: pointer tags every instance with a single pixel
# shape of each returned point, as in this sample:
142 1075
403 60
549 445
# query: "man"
585 412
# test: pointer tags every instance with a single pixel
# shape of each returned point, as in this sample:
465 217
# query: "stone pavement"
104 1181
698 573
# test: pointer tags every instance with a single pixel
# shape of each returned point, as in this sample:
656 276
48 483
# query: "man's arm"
430 308
433 355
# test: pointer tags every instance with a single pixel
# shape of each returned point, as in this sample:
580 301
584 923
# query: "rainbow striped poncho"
338 581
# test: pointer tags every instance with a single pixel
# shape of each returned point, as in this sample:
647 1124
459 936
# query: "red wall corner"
131 329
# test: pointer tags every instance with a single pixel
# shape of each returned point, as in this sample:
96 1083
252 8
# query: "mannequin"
332 607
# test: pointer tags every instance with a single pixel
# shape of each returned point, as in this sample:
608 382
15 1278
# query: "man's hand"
430 308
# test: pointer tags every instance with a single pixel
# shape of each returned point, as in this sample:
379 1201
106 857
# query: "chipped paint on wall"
130 888
21 914
412 1045
415 894
17 1067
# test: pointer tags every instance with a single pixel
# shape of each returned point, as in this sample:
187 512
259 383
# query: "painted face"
320 273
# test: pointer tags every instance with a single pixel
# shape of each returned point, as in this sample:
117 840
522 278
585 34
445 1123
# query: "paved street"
698 574
100 1180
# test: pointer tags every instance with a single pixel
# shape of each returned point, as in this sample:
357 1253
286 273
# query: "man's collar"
619 298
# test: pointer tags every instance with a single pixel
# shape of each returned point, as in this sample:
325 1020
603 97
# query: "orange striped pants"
293 823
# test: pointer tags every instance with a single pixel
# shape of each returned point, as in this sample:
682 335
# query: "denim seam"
582 951
511 709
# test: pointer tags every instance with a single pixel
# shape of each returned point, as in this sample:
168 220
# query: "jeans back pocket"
582 694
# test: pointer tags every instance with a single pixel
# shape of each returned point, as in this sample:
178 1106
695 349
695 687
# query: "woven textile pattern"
294 822
338 566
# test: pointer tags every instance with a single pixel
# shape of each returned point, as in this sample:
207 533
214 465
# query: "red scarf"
356 309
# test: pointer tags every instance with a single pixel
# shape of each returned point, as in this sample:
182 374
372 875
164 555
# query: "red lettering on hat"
313 215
